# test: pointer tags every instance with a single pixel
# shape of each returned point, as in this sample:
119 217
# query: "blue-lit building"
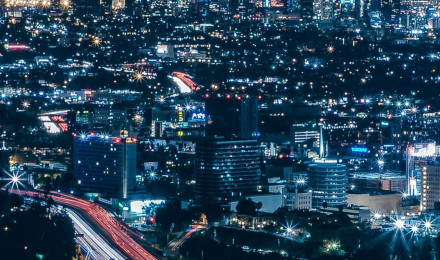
226 169
105 165
329 182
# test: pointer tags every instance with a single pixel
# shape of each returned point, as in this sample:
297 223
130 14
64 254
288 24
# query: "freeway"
96 247
109 227
179 242
184 82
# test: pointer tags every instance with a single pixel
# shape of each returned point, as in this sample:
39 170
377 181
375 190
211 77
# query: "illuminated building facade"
226 169
430 187
306 8
118 4
417 156
105 165
329 182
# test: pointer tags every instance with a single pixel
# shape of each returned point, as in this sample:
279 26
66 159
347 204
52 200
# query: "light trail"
183 238
183 88
184 83
97 247
110 228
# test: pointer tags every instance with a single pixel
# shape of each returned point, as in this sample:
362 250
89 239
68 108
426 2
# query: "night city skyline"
219 129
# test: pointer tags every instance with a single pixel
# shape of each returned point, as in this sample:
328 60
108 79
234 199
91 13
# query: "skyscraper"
225 114
329 182
88 6
105 165
306 8
226 169
391 11
249 118
430 186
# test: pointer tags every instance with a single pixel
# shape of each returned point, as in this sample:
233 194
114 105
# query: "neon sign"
359 149
198 116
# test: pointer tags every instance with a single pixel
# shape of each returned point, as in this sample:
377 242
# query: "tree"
213 211
171 214
247 207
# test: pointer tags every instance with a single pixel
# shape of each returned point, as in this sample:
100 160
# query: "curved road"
97 247
110 228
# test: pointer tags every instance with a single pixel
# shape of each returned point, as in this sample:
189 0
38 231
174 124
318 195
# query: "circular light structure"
14 179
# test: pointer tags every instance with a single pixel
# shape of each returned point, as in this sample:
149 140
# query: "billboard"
151 166
197 116
422 150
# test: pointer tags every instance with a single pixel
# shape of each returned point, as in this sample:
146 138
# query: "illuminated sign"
129 140
151 166
139 206
162 49
198 116
422 150
359 149
116 140
180 116
179 133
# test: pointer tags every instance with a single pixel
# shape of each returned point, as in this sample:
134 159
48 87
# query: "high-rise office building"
105 165
430 186
301 133
417 156
226 169
306 8
225 114
391 11
249 118
329 182
88 6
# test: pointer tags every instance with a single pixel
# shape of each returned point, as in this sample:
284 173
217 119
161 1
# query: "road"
184 83
106 225
178 242
96 247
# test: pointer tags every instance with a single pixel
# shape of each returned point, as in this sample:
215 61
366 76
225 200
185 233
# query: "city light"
414 229
96 41
330 49
66 3
332 245
427 225
399 224
288 228
25 104
14 180
138 76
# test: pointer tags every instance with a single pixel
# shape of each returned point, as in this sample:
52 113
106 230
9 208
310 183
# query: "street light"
399 224
414 229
